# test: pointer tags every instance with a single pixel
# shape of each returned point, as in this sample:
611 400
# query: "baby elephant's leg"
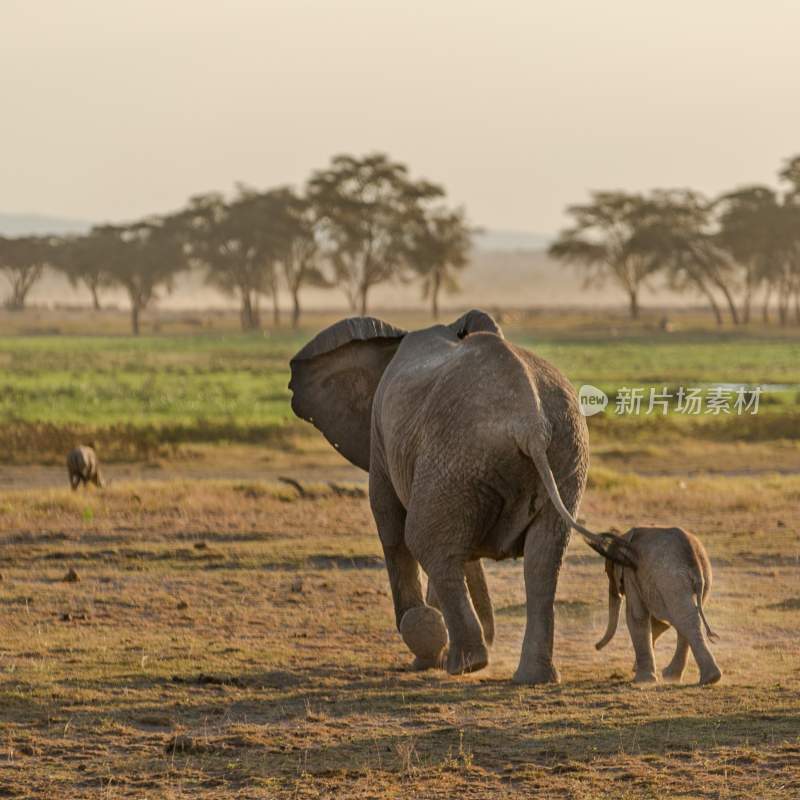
657 627
687 623
642 638
674 670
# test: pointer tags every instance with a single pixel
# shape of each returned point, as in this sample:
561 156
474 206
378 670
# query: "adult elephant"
475 449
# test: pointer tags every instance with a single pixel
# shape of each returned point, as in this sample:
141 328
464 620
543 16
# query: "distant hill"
37 224
40 224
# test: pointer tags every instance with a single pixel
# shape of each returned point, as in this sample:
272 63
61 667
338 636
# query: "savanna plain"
217 621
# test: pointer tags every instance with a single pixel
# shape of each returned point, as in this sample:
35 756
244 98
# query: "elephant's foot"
536 674
463 658
645 676
437 662
424 632
710 675
672 674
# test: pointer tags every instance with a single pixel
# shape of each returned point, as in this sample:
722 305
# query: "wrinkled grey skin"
83 467
670 584
475 449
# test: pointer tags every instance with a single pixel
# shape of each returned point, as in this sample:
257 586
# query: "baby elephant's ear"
334 378
473 322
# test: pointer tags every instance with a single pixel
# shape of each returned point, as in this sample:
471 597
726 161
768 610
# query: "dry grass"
230 639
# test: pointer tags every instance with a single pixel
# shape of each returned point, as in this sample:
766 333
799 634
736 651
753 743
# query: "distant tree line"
728 250
357 223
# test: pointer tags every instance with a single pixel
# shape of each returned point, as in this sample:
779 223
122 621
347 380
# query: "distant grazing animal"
83 467
672 569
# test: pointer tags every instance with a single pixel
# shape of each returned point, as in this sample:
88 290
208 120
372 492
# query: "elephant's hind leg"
657 628
434 536
479 592
422 627
674 670
545 543
639 626
688 624
467 651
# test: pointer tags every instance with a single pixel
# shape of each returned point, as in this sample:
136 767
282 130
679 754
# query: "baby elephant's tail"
699 591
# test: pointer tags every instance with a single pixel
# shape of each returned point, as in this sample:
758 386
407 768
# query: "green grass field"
130 394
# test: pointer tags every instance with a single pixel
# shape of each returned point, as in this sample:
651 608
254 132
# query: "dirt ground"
227 637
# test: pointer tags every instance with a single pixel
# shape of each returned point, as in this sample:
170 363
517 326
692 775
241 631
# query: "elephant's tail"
609 545
699 592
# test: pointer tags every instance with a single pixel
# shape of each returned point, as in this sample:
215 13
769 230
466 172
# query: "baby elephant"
83 467
672 570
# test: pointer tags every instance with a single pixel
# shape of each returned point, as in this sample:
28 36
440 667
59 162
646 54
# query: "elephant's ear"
334 378
473 322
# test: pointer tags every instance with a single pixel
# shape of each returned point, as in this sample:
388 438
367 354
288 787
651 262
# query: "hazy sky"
115 108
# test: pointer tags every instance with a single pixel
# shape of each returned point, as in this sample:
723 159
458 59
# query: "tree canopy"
22 262
366 209
600 242
144 258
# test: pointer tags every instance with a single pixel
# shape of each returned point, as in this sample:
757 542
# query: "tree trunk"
711 301
633 303
797 305
765 307
746 303
276 309
135 317
245 313
95 297
18 294
249 313
750 286
731 304
295 308
363 295
435 287
784 300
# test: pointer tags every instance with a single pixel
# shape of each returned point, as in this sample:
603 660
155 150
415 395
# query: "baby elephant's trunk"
614 605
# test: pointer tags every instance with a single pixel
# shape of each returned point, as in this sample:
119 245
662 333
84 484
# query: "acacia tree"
83 260
23 261
225 239
672 231
143 258
749 222
290 221
439 248
364 207
600 242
